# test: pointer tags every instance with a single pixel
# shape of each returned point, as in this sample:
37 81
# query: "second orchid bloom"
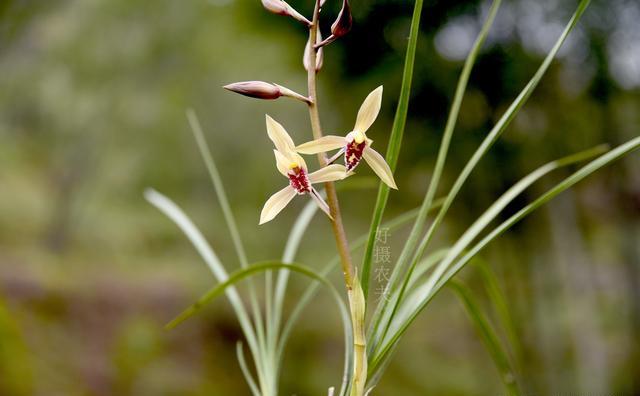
356 145
292 166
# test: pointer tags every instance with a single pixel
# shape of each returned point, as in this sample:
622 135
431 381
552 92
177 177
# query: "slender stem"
354 290
332 197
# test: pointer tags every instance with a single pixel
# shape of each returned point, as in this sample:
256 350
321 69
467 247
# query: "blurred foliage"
93 94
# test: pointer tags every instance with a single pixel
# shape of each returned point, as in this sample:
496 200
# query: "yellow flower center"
358 137
293 165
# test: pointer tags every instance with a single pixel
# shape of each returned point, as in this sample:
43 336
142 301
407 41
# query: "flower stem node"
356 145
291 165
281 7
264 90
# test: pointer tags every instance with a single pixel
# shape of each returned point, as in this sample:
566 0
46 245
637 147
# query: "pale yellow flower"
356 145
292 166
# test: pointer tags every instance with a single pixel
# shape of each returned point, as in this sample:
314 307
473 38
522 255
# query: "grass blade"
237 276
410 308
489 337
332 265
395 142
418 226
500 127
499 301
567 183
245 370
205 152
290 250
489 140
173 212
268 266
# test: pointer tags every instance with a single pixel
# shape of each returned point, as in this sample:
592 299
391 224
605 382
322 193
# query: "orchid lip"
299 180
353 153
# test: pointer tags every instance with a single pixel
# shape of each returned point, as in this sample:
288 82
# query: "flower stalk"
354 291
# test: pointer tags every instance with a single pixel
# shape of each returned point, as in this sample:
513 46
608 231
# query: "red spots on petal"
353 154
299 180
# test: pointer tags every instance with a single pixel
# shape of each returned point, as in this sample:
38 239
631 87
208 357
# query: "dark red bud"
343 23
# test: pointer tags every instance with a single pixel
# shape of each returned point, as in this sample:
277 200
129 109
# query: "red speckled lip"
299 180
353 154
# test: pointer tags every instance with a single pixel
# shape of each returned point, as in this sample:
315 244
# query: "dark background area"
92 102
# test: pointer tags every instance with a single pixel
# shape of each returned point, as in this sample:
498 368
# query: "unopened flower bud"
341 26
255 89
343 23
281 7
306 59
264 90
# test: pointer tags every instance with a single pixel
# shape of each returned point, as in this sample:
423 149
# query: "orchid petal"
328 173
369 110
282 162
279 136
276 203
321 203
325 143
379 166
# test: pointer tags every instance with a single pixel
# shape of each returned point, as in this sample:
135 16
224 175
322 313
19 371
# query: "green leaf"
238 276
173 212
267 266
333 264
418 226
567 183
245 370
395 142
480 152
489 337
409 308
499 301
218 186
499 128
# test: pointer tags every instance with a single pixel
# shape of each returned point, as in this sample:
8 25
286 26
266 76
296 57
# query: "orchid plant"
419 273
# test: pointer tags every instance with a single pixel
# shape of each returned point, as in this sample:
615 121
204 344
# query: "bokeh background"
92 101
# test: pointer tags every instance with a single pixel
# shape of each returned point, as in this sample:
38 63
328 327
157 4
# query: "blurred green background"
92 101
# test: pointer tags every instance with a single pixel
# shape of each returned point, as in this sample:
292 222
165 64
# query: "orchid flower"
292 165
356 145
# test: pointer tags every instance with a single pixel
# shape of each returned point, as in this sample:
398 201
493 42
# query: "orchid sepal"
356 145
291 165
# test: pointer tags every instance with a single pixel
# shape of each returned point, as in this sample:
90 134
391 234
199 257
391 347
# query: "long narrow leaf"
411 307
499 301
418 225
497 130
567 183
258 268
173 212
288 256
218 186
237 276
395 142
489 337
245 370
